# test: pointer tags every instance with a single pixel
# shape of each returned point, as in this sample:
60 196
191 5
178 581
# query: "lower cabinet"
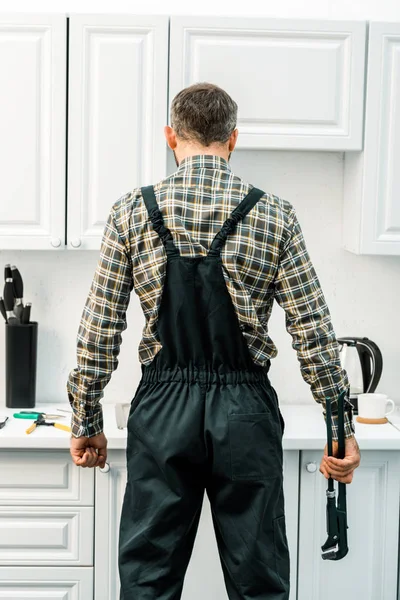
40 583
49 551
369 571
46 526
50 535
204 575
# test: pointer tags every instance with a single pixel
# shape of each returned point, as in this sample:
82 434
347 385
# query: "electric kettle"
362 360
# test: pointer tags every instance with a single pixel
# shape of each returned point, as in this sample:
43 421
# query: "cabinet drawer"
46 536
31 583
43 478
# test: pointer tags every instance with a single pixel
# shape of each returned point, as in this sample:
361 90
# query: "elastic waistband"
191 374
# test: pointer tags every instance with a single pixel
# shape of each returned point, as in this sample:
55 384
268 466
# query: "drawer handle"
105 469
311 467
76 242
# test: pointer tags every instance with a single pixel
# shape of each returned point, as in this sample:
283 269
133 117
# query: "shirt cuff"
87 423
349 428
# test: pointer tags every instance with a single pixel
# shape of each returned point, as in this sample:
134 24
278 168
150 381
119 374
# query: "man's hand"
89 452
341 469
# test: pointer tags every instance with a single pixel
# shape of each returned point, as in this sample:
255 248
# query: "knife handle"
64 427
18 283
9 294
3 309
31 428
26 314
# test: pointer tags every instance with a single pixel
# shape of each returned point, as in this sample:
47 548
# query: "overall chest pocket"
255 446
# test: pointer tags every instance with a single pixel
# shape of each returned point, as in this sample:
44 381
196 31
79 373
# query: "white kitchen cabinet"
299 84
43 478
46 583
46 526
117 109
371 220
32 125
369 571
46 536
204 577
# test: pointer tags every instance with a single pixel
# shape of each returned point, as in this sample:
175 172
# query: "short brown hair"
203 113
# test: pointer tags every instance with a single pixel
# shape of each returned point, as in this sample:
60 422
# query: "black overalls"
204 417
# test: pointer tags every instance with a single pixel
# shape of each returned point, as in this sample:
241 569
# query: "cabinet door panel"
43 478
117 110
46 536
372 180
298 83
32 125
369 571
110 488
46 583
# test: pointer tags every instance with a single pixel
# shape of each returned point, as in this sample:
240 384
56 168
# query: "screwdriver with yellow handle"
42 421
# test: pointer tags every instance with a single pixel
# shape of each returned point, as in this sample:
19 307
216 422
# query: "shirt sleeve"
99 335
299 293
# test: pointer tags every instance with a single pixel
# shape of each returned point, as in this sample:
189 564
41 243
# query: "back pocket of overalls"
255 446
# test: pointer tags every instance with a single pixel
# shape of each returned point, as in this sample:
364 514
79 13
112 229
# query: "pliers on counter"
336 546
41 421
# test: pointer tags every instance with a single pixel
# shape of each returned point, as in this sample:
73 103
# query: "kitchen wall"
362 291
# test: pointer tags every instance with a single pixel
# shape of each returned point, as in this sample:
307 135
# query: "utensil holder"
21 365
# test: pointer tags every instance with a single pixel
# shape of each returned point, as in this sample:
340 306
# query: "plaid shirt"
264 259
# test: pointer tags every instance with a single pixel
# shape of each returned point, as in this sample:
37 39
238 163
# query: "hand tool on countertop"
9 302
41 421
26 314
18 292
336 546
3 309
3 421
26 414
63 410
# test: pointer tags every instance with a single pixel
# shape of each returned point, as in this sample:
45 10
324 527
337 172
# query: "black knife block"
21 364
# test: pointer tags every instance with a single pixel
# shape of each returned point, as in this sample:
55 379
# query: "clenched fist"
89 452
341 469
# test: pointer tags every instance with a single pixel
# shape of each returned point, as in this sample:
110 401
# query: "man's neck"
201 150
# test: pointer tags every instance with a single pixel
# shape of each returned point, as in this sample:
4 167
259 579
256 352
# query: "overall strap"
237 215
158 221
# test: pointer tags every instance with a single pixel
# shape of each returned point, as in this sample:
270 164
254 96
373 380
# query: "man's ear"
170 136
233 139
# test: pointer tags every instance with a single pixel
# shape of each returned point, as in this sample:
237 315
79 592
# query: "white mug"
373 406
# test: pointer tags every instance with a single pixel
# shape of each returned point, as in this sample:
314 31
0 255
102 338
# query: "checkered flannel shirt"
264 259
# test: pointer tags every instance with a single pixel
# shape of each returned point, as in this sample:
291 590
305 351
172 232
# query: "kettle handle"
370 354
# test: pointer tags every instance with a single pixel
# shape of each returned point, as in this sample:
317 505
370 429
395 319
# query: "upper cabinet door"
118 69
32 126
372 178
298 83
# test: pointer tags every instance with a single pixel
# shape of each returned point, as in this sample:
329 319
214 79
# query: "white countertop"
304 430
